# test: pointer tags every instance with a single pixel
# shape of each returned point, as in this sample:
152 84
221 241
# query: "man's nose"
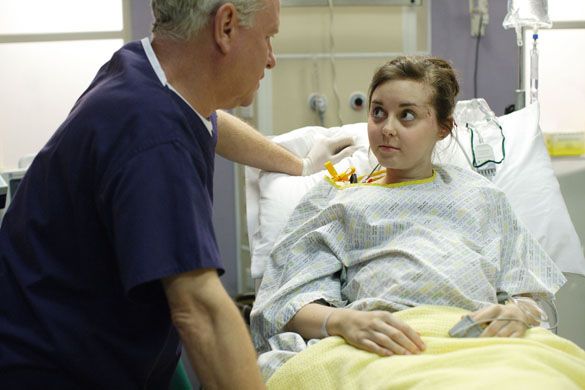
271 63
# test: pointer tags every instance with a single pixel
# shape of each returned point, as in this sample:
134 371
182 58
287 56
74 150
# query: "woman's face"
403 129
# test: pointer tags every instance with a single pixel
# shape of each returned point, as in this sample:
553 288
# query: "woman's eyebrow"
403 104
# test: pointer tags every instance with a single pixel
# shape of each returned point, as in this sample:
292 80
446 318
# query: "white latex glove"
327 149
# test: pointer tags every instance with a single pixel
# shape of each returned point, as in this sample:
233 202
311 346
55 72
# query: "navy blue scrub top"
120 197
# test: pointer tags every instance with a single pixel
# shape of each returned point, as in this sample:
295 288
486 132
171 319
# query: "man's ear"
224 26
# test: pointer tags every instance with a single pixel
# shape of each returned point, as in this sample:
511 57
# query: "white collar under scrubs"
163 79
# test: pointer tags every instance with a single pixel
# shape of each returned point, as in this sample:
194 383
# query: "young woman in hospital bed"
391 263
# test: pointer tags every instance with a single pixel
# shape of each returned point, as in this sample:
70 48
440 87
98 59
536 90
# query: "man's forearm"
214 335
241 143
220 346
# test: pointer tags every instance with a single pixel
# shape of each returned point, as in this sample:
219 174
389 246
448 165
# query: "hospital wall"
497 61
363 38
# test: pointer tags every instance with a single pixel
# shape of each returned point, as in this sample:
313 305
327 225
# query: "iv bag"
531 14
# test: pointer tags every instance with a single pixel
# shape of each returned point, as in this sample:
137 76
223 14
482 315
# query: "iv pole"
522 14
520 92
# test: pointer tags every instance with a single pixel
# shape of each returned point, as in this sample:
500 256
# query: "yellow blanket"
540 360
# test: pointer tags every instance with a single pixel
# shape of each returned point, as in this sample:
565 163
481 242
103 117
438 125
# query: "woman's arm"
374 331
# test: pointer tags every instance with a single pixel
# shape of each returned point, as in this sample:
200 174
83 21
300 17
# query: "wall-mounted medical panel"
302 3
308 62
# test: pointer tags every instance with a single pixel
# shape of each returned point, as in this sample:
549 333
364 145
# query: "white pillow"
277 194
525 175
528 179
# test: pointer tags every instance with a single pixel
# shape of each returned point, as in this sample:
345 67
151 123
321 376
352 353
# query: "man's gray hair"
183 19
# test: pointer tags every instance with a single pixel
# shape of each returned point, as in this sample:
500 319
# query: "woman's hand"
508 320
375 331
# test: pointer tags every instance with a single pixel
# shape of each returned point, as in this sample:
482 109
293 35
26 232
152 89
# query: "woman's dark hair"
432 71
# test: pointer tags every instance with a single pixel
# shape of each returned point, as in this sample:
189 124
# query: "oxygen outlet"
318 103
357 101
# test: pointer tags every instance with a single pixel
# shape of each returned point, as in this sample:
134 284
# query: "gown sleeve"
302 267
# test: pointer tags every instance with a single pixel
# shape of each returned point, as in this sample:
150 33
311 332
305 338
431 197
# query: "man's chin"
241 102
247 101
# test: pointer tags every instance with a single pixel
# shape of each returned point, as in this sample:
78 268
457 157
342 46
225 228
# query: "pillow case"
528 179
277 194
525 175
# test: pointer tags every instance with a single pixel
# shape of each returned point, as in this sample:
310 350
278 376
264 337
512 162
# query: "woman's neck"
402 175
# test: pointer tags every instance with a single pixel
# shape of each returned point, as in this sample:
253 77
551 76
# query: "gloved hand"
327 149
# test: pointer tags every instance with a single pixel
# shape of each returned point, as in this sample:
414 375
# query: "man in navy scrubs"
108 254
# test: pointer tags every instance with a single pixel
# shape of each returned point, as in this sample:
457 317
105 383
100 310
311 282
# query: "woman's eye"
377 112
408 116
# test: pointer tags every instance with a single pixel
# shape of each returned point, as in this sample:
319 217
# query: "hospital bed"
526 175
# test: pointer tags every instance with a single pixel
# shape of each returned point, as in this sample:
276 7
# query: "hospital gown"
449 240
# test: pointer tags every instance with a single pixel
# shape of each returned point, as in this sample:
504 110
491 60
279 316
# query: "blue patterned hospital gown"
448 240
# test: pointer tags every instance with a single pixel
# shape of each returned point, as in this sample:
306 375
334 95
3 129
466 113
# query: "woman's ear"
224 26
446 128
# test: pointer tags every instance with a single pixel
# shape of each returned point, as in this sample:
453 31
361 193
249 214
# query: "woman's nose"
389 129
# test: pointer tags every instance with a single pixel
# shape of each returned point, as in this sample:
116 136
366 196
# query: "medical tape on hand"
528 301
467 327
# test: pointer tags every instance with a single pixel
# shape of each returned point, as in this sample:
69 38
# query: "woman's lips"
388 148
